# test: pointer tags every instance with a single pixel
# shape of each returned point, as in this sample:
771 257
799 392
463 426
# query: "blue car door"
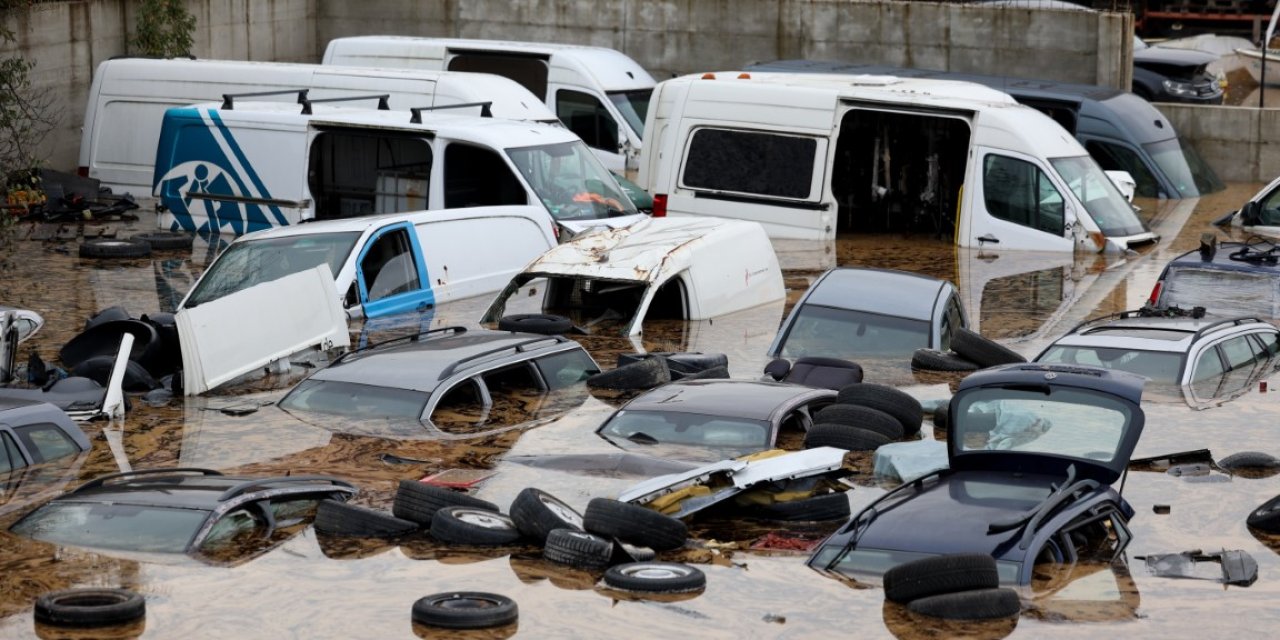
391 274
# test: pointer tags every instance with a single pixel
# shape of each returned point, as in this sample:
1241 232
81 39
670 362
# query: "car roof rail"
101 480
518 347
382 98
413 338
1147 311
257 483
415 113
229 99
1232 322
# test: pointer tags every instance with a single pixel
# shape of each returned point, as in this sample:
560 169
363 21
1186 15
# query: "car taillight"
660 205
83 172
1155 294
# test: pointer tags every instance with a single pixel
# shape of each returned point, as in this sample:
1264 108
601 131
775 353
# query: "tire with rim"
1266 517
418 502
91 607
469 525
899 404
538 513
535 323
578 549
832 506
843 436
465 610
634 524
645 374
165 240
977 604
972 346
934 360
341 519
114 248
940 574
856 415
655 577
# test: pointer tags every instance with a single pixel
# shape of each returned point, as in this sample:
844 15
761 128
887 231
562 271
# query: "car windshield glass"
668 427
1109 210
253 262
599 304
1253 293
866 562
1160 366
845 333
1180 161
113 526
1054 420
634 107
571 182
358 400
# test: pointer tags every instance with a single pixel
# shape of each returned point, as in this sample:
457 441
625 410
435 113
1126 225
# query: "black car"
1033 451
1174 75
1227 279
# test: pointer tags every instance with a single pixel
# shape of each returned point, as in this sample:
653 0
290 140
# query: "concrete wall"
1242 144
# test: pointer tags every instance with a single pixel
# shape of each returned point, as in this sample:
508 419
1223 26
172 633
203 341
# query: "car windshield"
596 303
849 334
571 182
1056 421
669 427
252 262
113 526
1109 210
863 562
356 400
1253 293
1162 367
634 107
1180 161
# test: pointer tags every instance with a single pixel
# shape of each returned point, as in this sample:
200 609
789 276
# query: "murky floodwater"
310 586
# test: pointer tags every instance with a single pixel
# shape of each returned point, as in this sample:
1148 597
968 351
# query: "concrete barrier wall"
1242 144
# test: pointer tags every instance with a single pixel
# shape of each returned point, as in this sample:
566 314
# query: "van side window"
764 164
475 177
529 71
1019 192
1114 157
584 115
357 173
388 267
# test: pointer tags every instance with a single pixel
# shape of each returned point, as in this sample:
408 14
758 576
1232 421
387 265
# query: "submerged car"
1175 75
1033 450
1227 279
34 432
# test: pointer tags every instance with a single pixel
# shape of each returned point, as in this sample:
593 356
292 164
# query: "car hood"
1156 58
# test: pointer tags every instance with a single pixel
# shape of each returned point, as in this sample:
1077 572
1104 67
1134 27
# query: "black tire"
538 513
115 312
978 604
166 240
940 574
832 506
655 577
418 502
465 610
1266 517
856 415
89 607
535 323
896 403
933 360
681 363
104 340
941 417
634 524
114 248
578 549
714 373
970 345
627 552
645 374
843 436
1249 460
341 519
469 525
98 369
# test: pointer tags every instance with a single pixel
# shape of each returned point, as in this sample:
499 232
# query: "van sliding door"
363 172
529 70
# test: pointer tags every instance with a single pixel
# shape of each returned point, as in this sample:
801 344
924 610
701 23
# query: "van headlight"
1176 88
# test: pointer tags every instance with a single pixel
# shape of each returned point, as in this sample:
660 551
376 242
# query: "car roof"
883 291
749 399
1119 383
1222 258
1174 334
180 488
7 404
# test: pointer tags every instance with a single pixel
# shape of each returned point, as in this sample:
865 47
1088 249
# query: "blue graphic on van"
204 180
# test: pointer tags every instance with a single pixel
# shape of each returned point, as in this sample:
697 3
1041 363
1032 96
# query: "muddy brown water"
313 586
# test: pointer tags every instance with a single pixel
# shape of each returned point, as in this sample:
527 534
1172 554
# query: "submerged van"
598 93
809 156
237 167
1122 131
129 96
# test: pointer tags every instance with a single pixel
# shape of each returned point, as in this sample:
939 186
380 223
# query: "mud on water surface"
313 586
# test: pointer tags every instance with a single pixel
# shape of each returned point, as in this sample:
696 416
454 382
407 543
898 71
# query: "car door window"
1239 353
238 526
1019 192
10 455
587 117
389 267
1270 209
566 369
1115 157
1270 343
46 441
1208 365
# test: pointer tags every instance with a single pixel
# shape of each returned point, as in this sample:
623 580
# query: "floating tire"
655 577
1266 517
341 519
165 240
114 248
103 339
99 368
538 513
465 610
898 404
934 360
843 436
1249 461
468 525
645 374
714 373
635 524
418 502
972 346
941 417
832 506
114 312
535 323
578 549
978 604
856 415
940 574
91 607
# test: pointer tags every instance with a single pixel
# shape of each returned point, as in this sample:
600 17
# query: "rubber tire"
341 519
418 502
856 415
941 417
898 404
970 345
1249 460
832 506
714 373
166 240
98 369
1266 517
535 323
452 524
977 604
89 607
843 436
538 513
933 360
635 524
940 574
114 248
655 577
442 610
578 549
104 340
114 312
645 374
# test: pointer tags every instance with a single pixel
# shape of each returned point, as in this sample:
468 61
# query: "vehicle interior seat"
820 373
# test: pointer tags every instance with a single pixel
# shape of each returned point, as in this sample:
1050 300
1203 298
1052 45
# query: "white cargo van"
810 156
129 96
238 167
600 94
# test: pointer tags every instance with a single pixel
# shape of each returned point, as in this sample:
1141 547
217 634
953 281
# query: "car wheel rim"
656 572
482 519
563 511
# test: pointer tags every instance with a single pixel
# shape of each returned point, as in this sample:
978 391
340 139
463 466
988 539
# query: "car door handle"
988 238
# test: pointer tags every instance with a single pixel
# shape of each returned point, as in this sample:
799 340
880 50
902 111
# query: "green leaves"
164 29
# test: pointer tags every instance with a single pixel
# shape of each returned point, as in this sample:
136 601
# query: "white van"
129 96
809 156
598 93
238 167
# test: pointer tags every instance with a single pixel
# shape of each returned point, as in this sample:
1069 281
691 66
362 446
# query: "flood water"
310 586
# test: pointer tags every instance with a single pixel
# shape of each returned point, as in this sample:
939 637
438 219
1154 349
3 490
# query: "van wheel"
986 353
89 607
468 525
843 436
114 248
856 415
465 610
978 604
934 360
535 323
655 577
166 240
896 403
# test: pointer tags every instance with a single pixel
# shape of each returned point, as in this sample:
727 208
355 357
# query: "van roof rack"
416 112
382 99
228 99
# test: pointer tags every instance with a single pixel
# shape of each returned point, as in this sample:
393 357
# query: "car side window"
1238 353
1019 192
237 525
10 455
46 441
566 369
389 267
1270 210
1208 365
1270 343
1114 157
588 118
517 377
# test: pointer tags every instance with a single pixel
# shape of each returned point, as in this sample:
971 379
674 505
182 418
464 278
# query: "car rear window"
1061 422
844 333
669 427
1251 293
357 400
113 526
1160 366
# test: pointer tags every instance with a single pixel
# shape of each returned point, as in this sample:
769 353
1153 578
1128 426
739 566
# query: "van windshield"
252 262
1109 210
571 182
634 107
1190 174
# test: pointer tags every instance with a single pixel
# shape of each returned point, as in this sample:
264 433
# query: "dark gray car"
34 432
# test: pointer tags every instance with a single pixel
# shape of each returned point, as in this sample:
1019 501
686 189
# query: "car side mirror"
1250 213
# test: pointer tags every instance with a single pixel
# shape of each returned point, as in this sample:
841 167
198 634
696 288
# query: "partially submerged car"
1161 74
1033 452
687 269
27 322
1227 279
36 432
1261 214
79 397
